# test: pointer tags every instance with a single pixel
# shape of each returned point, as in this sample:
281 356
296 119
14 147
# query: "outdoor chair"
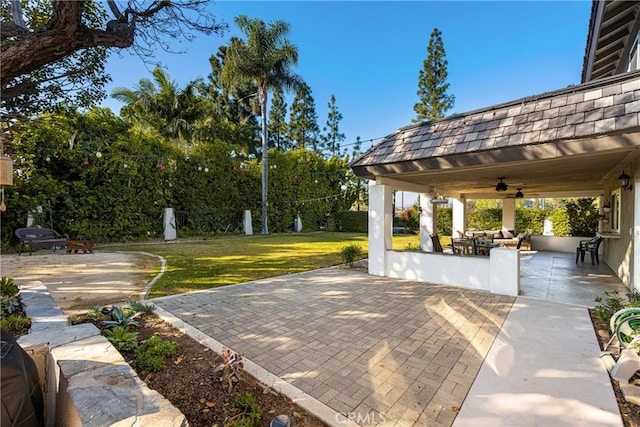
437 246
592 246
463 246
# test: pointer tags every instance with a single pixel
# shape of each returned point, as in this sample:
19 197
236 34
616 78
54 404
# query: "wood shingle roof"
605 106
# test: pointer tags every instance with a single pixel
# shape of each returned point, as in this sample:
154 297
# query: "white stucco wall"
499 273
558 243
619 253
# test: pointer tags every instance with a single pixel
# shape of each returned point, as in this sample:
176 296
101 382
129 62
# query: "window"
615 210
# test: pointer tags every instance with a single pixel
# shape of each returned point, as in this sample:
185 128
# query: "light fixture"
501 186
439 201
519 194
625 181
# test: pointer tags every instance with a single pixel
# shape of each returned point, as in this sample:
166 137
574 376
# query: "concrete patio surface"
79 281
542 370
557 277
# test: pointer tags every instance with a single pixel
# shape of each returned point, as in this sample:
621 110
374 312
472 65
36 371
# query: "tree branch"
9 29
114 9
152 10
37 50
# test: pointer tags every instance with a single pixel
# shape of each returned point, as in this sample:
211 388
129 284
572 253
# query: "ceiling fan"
501 185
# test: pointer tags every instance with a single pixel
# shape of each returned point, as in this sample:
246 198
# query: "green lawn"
229 260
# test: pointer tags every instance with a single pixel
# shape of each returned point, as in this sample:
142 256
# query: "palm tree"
161 105
266 60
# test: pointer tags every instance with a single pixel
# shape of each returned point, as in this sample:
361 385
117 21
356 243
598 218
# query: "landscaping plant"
229 371
611 302
140 307
12 316
15 323
249 411
8 287
120 317
351 253
151 356
122 338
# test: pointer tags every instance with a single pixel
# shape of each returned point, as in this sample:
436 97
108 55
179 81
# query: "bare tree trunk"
265 161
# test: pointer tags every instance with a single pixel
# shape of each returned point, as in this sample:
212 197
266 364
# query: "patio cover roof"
613 27
561 143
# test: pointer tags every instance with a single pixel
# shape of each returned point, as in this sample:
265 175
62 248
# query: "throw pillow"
507 234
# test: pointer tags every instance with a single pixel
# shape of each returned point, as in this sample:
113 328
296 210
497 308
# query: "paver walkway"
377 350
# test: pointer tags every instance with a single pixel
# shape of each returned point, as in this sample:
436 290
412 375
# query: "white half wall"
504 266
558 243
475 272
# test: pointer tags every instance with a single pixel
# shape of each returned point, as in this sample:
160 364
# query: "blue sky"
368 53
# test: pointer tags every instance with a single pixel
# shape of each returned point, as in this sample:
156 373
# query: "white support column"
509 214
428 212
380 226
459 216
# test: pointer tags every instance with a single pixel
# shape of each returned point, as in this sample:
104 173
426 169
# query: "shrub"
250 411
611 302
122 338
140 307
8 287
95 313
9 305
350 253
15 323
352 221
634 299
445 221
152 354
583 216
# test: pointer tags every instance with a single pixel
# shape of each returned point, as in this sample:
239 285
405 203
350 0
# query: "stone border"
84 379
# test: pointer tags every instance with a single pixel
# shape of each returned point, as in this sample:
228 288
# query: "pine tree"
303 119
357 147
333 137
434 101
277 124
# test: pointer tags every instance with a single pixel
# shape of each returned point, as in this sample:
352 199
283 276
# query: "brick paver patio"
376 349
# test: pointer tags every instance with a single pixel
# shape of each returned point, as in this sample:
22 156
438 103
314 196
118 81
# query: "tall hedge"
98 178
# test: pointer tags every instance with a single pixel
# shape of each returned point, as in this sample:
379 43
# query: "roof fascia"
592 42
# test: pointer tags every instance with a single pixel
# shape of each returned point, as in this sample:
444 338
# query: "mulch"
190 384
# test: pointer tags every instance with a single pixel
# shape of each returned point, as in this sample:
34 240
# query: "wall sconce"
625 181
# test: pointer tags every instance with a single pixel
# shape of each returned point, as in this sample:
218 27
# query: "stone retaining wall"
85 380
